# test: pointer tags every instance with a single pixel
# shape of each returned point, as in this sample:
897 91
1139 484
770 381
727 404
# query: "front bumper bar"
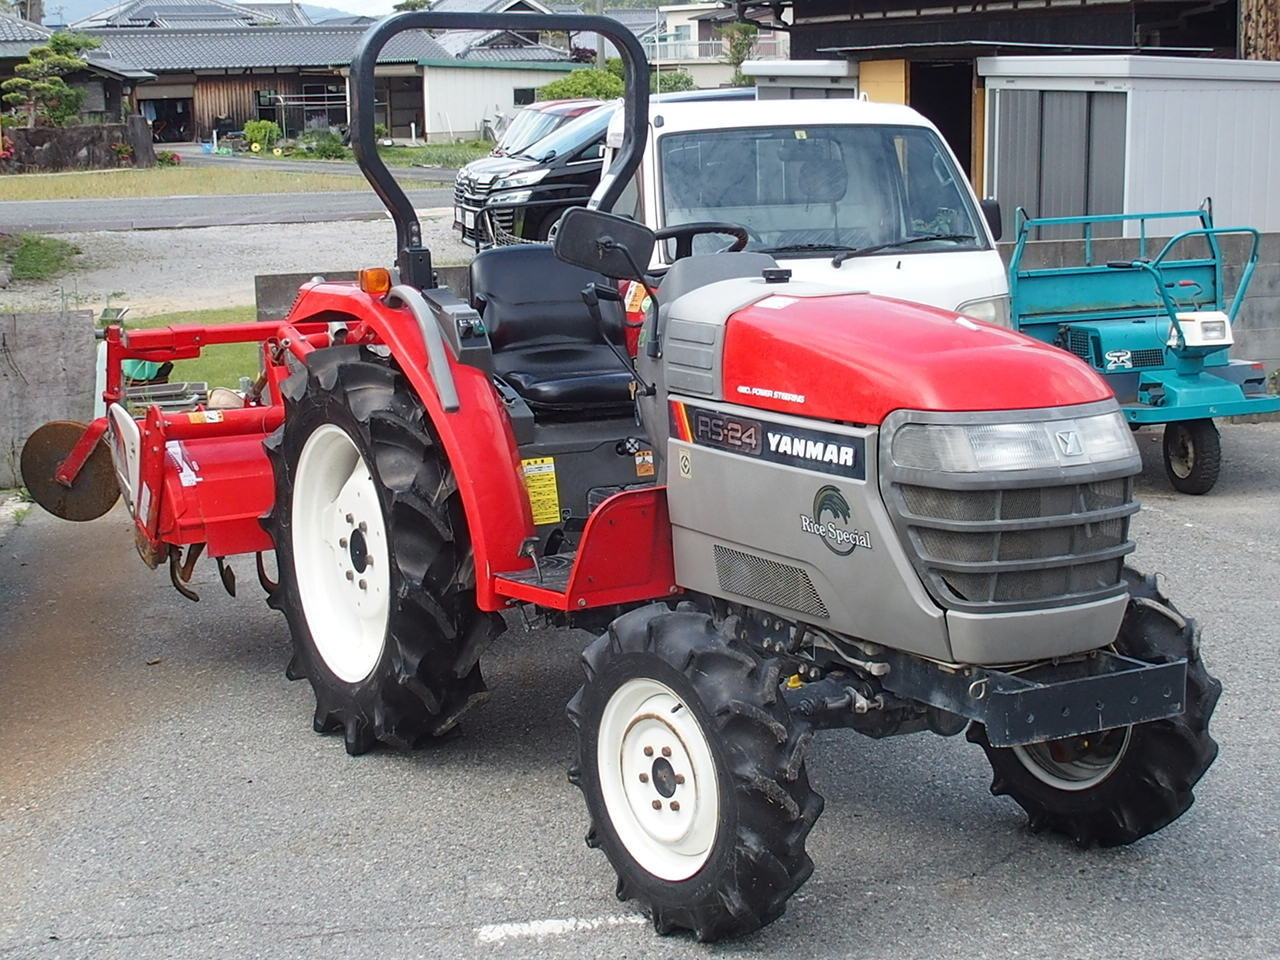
1045 701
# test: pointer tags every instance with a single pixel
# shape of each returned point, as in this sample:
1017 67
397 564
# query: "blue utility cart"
1154 327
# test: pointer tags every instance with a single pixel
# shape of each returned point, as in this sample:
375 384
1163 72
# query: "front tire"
376 577
693 773
1192 455
1117 786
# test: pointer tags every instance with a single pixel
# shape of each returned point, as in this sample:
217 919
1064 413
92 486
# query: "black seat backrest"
527 296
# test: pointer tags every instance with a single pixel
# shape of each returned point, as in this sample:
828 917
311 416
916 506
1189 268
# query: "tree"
406 5
1259 29
583 83
38 88
668 81
741 39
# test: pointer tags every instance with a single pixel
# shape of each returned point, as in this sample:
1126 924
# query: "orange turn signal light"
375 280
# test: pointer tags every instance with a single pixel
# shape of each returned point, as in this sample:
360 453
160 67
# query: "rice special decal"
829 521
820 450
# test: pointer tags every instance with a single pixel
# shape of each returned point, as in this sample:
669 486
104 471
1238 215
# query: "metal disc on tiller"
95 489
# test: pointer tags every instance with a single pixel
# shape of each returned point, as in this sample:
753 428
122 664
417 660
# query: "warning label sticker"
540 483
644 463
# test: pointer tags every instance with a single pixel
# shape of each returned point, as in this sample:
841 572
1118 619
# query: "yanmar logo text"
817 450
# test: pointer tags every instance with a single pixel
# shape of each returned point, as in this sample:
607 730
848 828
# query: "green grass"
171 181
431 155
32 257
220 366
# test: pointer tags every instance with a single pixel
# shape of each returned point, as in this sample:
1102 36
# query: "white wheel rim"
651 750
1183 458
340 554
1086 767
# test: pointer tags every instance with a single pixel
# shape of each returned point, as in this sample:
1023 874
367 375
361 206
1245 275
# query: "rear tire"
693 773
1192 455
1117 786
376 576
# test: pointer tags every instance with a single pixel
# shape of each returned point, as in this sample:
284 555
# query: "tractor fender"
477 436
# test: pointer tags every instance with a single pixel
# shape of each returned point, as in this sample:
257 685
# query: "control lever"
592 294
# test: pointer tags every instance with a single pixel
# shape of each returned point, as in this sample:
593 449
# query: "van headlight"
967 448
526 178
991 309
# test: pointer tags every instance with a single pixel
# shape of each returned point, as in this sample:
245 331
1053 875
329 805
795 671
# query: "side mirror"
991 210
604 242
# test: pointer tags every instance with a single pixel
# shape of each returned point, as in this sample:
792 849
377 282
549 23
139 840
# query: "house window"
523 96
683 32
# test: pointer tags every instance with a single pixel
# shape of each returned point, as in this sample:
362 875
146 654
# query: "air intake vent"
768 581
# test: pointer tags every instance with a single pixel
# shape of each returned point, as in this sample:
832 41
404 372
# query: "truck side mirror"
991 210
604 242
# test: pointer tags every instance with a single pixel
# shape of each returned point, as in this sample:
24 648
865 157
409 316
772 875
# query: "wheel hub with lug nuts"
340 550
658 777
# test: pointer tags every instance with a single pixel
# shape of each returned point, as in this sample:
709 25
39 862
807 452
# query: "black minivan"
498 200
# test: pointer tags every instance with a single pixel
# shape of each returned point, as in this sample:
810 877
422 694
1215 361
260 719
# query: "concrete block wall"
1257 328
47 364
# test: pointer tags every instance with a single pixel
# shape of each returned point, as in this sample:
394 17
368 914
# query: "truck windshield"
820 190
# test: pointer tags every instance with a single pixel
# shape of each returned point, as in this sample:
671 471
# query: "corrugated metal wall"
1190 143
1059 154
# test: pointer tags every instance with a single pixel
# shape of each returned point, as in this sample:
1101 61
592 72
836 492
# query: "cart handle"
1209 233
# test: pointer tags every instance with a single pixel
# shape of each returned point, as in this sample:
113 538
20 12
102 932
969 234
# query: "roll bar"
412 258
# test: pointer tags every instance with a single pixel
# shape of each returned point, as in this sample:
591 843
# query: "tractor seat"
545 343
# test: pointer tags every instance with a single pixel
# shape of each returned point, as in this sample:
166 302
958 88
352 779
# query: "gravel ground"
158 271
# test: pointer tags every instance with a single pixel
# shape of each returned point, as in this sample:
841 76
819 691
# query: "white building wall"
1193 140
457 99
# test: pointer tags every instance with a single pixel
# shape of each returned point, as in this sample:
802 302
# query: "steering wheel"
683 234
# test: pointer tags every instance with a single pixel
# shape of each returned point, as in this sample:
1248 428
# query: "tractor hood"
814 351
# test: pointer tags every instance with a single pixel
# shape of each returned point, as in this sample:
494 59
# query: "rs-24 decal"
820 450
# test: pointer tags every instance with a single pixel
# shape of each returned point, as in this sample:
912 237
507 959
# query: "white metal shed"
1073 135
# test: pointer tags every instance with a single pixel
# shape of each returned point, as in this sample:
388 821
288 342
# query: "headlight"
1031 445
991 309
507 199
526 178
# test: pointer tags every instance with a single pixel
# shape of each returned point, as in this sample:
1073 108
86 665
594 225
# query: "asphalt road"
162 794
143 213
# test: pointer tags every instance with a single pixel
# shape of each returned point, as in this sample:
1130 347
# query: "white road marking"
498 932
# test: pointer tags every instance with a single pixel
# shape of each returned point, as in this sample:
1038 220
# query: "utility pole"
600 58
32 10
1259 34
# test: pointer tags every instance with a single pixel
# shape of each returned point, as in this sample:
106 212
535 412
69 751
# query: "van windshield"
573 136
820 190
528 126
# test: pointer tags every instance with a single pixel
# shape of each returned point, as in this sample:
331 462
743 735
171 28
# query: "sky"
370 8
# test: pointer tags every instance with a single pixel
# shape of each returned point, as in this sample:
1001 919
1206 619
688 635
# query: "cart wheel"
1192 455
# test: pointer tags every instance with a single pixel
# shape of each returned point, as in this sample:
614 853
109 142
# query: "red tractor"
796 507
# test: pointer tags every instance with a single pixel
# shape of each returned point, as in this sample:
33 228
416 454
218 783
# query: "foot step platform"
624 556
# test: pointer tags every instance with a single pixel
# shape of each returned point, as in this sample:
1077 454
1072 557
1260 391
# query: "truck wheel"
1115 787
376 577
693 773
1192 455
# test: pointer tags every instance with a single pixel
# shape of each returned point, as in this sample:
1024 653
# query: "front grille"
1081 344
470 195
1147 358
768 581
1018 548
